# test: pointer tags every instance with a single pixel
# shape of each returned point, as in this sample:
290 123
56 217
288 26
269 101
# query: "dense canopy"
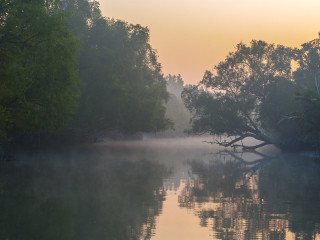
68 71
261 91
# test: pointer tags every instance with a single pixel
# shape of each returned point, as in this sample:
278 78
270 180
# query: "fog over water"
103 121
162 189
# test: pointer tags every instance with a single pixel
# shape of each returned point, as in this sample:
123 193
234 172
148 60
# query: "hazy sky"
192 36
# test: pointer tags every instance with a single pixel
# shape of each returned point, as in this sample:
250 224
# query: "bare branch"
255 146
229 144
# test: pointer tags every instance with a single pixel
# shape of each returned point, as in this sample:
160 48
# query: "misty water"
160 189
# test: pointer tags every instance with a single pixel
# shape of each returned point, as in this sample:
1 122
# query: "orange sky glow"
191 36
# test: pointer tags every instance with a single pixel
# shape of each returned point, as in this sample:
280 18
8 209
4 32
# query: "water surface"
159 189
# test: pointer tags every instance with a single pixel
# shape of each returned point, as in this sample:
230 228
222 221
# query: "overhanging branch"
235 142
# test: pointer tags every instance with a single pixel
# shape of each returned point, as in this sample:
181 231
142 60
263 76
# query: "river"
159 189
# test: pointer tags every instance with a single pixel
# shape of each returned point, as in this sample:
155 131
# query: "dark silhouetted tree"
251 94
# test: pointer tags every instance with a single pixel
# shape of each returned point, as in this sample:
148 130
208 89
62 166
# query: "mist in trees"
68 72
264 91
70 77
176 111
122 85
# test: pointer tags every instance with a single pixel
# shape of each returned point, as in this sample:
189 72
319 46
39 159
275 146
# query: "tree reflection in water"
276 198
81 200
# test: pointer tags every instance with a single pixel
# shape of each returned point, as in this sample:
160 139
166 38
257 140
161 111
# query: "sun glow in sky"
191 36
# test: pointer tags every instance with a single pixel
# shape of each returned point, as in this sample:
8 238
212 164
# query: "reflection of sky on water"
160 189
237 200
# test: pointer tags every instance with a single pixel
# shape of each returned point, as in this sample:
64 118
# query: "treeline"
263 91
67 71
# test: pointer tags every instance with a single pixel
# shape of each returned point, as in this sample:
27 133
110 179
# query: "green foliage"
254 90
212 113
116 73
234 95
307 78
279 103
122 85
39 84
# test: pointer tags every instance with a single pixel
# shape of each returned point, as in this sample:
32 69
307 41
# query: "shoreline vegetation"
263 91
70 75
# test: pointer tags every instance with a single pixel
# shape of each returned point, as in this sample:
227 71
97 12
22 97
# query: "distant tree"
176 111
175 84
38 78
